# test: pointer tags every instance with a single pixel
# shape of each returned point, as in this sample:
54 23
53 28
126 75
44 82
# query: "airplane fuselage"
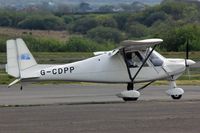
102 68
132 62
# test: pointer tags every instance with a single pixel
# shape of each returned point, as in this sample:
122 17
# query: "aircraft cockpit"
135 58
155 58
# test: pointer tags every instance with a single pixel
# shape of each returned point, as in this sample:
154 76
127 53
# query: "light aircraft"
131 63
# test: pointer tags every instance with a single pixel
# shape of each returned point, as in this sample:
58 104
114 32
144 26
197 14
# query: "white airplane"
133 62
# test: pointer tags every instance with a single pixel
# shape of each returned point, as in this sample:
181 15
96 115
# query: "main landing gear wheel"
176 97
126 99
130 94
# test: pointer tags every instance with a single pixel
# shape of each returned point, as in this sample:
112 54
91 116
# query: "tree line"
175 22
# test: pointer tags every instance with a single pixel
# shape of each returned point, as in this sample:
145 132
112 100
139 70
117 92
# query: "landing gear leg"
175 92
21 88
130 86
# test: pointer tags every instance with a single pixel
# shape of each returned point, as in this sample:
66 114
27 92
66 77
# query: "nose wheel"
174 91
176 97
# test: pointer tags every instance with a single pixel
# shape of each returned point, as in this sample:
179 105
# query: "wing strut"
141 88
126 61
143 63
145 60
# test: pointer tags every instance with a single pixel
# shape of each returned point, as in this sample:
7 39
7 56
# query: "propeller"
187 53
187 59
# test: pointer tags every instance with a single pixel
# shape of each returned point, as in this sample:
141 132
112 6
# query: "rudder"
25 58
12 66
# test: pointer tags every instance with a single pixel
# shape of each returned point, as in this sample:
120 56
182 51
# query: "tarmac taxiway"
33 94
94 108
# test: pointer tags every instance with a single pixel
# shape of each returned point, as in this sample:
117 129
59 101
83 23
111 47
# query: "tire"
176 97
126 99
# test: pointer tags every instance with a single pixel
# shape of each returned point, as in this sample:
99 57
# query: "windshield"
155 58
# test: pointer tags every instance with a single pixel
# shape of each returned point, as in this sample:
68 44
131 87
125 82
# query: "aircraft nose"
190 62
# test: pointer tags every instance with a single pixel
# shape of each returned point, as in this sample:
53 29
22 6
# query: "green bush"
83 25
9 18
42 22
3 40
137 30
153 17
67 19
174 8
106 21
39 44
121 20
5 21
80 44
105 34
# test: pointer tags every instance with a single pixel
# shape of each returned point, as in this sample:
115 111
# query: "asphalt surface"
82 93
94 108
138 117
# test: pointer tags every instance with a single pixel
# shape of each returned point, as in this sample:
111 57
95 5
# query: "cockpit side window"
134 59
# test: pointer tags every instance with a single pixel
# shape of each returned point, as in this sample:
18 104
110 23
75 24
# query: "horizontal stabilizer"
14 82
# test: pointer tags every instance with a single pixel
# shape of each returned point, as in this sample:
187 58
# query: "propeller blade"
188 72
186 59
187 49
186 53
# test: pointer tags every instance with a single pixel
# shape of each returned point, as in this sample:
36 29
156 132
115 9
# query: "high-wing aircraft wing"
135 45
132 45
139 44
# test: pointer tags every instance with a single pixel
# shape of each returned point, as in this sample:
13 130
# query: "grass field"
15 33
67 57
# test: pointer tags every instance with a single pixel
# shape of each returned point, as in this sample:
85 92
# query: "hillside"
15 33
175 21
92 2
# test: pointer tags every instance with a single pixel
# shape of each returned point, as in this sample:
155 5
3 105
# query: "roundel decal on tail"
25 56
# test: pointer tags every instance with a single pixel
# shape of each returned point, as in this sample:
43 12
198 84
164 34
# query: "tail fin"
19 57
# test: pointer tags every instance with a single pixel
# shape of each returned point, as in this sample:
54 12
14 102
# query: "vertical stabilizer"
25 58
19 58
